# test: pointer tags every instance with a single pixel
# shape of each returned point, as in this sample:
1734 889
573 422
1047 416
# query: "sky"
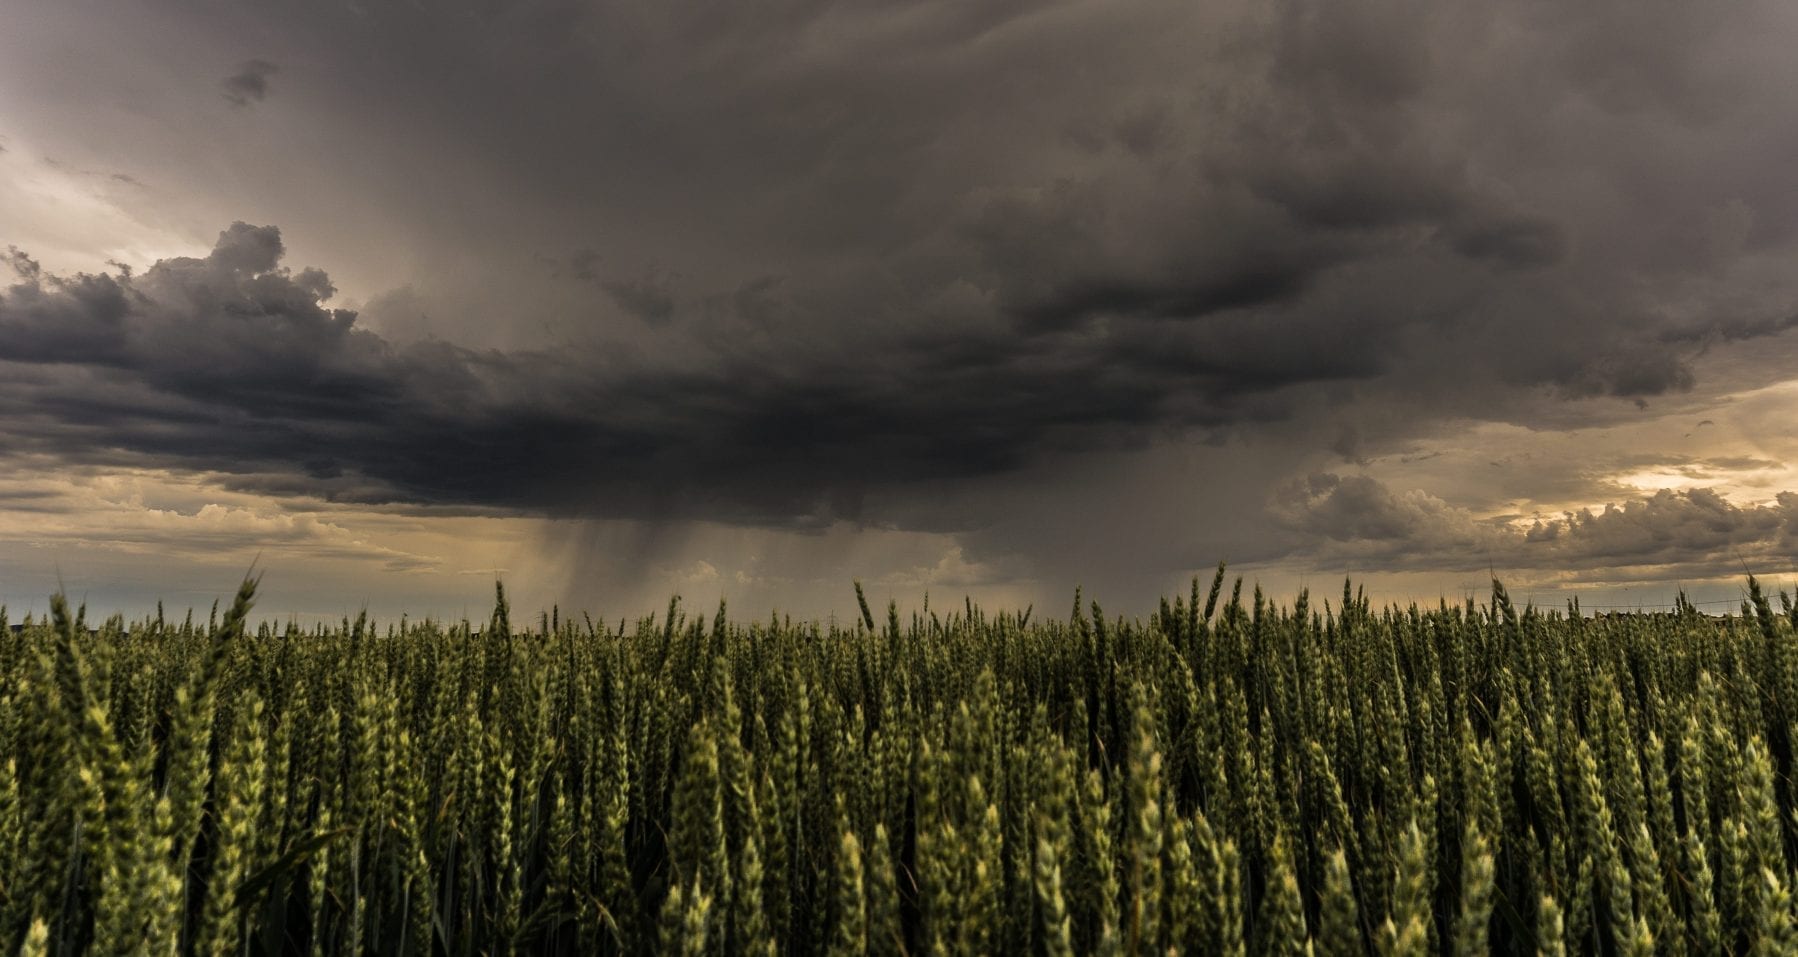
619 300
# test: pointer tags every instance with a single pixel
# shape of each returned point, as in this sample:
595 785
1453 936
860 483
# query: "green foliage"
1228 776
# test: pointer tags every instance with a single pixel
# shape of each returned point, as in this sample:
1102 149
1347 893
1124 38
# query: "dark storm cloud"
1068 254
922 243
1731 329
250 84
1632 373
1195 163
1520 243
233 364
648 296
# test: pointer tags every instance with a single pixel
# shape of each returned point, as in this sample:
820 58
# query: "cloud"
1691 533
250 84
1517 172
232 363
1516 243
916 247
954 573
1632 373
142 514
1731 329
648 297
1361 509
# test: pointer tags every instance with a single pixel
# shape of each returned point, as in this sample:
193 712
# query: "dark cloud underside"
232 363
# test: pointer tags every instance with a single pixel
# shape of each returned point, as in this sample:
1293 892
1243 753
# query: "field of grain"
1220 777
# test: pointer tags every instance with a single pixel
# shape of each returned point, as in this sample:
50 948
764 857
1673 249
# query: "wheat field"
1226 775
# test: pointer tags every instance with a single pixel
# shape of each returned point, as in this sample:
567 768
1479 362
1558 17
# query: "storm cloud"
796 264
235 364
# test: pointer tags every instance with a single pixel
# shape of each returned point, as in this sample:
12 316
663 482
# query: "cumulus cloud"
1357 508
1690 533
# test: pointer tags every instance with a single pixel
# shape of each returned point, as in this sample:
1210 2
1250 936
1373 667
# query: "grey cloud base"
233 364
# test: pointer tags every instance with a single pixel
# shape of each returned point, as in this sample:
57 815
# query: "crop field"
1226 775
